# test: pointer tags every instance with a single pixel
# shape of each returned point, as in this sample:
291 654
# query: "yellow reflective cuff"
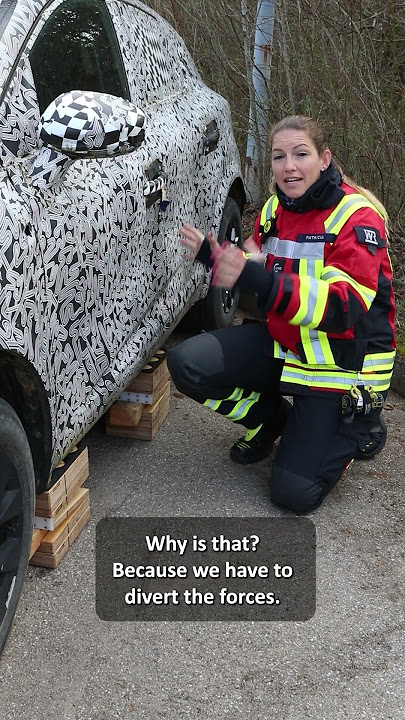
333 275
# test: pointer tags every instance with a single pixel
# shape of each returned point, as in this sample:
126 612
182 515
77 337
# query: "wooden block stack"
144 404
62 511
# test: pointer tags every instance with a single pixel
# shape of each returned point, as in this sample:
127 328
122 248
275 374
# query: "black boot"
258 443
378 437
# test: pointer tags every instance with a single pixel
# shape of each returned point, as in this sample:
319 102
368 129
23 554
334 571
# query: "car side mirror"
83 124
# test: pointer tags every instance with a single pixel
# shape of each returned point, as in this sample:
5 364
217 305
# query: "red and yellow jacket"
328 298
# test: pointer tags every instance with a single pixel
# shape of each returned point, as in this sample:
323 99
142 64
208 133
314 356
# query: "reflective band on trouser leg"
242 407
211 404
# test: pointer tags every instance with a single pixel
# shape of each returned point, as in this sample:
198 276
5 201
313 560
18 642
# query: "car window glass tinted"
77 49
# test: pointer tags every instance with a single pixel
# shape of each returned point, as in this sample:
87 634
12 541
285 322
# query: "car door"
88 217
161 76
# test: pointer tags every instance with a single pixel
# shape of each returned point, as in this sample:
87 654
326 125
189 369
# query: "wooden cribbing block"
55 544
51 523
125 413
151 419
37 536
153 375
64 484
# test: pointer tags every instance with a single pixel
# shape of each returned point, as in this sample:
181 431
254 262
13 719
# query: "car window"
154 54
77 49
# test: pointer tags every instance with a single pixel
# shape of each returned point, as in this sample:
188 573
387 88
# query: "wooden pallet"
150 421
54 544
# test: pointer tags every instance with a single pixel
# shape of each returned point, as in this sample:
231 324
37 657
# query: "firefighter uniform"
326 294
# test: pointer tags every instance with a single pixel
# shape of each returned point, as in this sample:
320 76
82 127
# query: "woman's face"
295 162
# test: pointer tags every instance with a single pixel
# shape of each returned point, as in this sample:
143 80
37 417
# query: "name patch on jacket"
319 237
370 237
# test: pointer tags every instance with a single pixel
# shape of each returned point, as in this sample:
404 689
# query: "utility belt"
360 400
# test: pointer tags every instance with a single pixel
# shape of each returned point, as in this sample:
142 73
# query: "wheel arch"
237 193
22 388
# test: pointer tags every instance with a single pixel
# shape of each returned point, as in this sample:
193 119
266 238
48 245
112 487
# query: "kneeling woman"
328 341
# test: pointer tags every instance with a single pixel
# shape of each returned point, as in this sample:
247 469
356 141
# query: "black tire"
17 494
218 308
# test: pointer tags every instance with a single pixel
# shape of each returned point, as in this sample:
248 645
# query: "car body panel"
92 279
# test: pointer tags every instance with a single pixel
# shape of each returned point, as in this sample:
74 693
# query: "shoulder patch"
370 237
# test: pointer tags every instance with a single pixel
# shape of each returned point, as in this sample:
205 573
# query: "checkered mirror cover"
91 124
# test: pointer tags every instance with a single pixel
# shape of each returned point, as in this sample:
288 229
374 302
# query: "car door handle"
211 137
155 183
155 186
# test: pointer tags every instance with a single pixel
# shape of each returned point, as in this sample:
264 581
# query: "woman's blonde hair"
317 135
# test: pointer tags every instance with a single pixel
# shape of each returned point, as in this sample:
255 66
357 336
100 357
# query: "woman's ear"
326 158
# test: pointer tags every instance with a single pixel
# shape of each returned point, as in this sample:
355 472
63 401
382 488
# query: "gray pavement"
347 662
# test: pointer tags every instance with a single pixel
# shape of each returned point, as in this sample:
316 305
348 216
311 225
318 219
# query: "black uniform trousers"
316 445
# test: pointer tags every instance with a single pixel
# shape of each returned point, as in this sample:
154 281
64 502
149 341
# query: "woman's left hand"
229 262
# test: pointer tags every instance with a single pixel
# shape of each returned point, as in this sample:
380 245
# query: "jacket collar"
323 193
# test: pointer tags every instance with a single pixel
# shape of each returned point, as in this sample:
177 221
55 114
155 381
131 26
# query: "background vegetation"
340 61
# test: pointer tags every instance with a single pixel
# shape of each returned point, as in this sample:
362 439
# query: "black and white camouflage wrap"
91 278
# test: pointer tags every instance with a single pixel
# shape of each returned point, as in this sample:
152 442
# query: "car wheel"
218 308
17 493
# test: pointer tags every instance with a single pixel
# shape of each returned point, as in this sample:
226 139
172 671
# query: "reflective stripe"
315 345
236 395
212 404
380 361
333 380
313 299
344 210
293 250
242 408
269 209
278 352
333 275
